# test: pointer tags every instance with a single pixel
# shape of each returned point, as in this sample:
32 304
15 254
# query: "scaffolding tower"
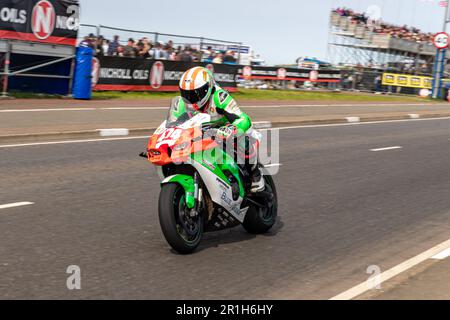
350 43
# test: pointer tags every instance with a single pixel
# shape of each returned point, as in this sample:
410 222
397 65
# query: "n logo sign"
43 19
157 75
95 71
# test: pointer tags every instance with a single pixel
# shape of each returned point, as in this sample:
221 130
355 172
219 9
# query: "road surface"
350 197
57 116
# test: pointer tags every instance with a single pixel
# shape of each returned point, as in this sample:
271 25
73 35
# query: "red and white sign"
210 67
157 75
441 40
43 20
281 73
95 71
314 75
247 72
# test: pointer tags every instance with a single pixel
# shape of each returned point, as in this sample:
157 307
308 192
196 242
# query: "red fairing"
175 145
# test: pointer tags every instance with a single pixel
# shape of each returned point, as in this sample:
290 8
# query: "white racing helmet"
196 86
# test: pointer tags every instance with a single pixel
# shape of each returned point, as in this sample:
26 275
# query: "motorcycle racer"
198 87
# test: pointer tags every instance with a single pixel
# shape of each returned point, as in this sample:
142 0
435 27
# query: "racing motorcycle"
203 189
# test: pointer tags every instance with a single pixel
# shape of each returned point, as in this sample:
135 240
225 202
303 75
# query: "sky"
279 30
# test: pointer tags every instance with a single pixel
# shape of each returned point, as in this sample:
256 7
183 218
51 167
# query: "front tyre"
261 220
181 231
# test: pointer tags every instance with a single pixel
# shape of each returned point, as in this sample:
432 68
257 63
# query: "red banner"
46 21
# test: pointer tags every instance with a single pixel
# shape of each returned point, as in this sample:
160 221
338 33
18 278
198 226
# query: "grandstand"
358 43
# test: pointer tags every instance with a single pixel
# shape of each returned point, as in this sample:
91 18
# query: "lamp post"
444 29
441 41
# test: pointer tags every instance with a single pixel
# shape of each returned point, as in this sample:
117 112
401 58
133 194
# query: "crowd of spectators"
144 48
380 27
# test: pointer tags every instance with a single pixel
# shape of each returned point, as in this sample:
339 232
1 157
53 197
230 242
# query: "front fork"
198 196
193 191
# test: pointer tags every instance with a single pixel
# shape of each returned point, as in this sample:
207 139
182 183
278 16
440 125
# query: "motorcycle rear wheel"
259 220
182 232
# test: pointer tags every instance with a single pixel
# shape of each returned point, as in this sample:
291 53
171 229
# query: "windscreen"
180 111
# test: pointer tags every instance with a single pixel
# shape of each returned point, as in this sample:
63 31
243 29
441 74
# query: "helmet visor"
196 95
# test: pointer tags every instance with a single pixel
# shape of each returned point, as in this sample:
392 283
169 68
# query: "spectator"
120 51
99 46
105 46
229 57
377 83
196 55
169 45
186 55
130 50
380 27
208 55
112 49
147 45
171 54
142 50
218 58
89 41
158 52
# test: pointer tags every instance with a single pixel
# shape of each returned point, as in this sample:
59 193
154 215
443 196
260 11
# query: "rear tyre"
181 231
261 220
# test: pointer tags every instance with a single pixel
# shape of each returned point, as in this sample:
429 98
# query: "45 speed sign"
441 40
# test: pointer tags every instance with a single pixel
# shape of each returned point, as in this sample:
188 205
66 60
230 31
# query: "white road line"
16 204
386 149
356 124
113 132
359 105
70 141
297 106
272 165
272 129
389 274
47 110
262 125
442 255
135 108
353 119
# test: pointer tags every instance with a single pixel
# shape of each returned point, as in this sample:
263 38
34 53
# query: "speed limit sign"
441 40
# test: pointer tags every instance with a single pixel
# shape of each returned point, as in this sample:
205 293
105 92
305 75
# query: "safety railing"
6 71
108 32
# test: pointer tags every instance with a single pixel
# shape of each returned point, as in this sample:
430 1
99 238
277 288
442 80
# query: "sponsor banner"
130 74
289 74
47 21
407 80
223 47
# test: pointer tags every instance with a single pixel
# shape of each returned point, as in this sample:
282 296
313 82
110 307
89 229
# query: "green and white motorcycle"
203 188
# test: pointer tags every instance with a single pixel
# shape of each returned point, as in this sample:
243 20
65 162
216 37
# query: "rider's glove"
226 132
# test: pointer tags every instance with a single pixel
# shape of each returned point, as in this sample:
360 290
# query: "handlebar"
207 132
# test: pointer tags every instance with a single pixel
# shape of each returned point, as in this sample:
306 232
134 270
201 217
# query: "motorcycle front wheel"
182 232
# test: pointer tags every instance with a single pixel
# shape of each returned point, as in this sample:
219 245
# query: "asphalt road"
342 208
18 120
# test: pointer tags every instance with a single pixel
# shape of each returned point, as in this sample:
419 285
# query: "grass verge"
246 94
251 94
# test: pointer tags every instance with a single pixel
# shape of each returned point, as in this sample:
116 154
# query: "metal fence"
371 81
43 56
108 32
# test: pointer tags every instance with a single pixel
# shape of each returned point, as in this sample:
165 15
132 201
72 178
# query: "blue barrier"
82 81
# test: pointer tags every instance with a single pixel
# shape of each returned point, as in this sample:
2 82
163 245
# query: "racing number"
170 136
